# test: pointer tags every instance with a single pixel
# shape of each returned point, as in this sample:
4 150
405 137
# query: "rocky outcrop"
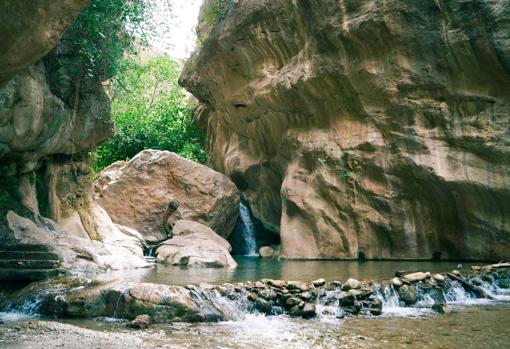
52 115
30 29
195 245
76 251
137 194
363 128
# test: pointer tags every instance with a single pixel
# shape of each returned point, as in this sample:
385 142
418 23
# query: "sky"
176 26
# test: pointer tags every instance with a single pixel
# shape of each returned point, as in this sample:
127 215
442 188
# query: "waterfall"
248 231
149 255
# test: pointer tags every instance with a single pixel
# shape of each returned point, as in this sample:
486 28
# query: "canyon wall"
363 127
51 116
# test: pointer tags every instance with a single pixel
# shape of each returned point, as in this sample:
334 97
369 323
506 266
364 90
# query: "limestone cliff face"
364 126
50 118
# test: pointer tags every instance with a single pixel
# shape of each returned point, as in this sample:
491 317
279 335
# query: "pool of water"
256 269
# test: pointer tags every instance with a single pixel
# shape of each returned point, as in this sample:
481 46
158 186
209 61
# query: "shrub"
151 111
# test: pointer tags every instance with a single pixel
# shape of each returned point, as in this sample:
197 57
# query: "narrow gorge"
316 174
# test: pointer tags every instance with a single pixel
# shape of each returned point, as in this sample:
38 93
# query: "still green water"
256 269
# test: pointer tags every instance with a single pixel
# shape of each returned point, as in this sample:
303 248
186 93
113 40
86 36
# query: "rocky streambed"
406 293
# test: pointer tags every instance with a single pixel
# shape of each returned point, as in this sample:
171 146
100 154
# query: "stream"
470 322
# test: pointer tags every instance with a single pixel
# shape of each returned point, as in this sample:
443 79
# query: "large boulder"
119 248
372 128
136 193
81 298
195 245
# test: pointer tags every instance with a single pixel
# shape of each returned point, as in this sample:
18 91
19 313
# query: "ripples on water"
257 269
473 323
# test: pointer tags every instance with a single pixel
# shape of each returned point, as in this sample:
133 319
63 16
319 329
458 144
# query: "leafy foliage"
105 31
216 10
151 111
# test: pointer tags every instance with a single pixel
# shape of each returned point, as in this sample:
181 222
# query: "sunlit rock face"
137 194
361 126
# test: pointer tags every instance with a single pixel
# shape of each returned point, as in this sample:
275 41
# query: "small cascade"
243 240
326 301
149 255
248 230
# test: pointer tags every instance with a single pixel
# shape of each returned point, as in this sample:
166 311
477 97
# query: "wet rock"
292 301
407 294
455 272
252 296
487 278
306 296
268 294
308 311
263 305
396 282
319 282
276 283
475 268
504 283
347 299
476 281
295 311
375 306
141 322
259 284
284 297
439 277
298 285
351 284
361 293
441 308
354 309
415 277
266 252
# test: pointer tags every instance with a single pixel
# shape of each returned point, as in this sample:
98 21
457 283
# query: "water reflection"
256 269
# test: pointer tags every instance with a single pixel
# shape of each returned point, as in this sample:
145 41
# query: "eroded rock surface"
360 127
137 193
195 245
51 116
30 29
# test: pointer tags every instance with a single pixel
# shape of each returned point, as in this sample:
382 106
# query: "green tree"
151 111
105 31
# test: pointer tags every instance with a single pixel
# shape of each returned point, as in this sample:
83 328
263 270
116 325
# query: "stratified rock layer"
137 194
364 127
